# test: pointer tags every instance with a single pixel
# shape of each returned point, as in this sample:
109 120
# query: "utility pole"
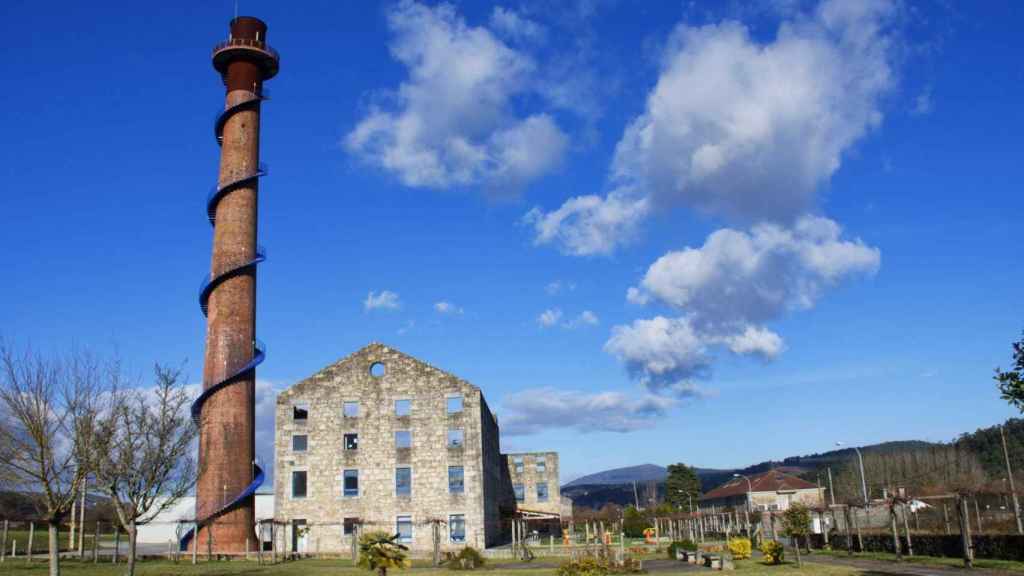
1009 477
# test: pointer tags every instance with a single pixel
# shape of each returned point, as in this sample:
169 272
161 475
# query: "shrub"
379 551
634 523
740 548
468 558
585 566
773 551
688 545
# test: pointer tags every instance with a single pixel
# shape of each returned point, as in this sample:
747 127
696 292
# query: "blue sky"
702 232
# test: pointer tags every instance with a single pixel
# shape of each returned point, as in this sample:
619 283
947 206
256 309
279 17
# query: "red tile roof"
771 481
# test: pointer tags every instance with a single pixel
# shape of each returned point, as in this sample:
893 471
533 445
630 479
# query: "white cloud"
589 318
515 27
726 291
661 353
738 278
557 286
549 318
533 411
386 300
444 307
587 225
739 128
452 121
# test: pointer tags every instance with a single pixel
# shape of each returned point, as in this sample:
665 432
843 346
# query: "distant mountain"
616 486
627 475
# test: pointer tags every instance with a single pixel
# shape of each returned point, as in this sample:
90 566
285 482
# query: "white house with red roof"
771 490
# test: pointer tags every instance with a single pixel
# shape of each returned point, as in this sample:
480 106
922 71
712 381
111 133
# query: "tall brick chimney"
225 412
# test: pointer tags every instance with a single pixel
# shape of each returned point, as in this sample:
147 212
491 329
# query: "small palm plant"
379 551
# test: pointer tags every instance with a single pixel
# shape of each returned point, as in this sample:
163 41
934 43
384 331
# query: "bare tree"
142 452
47 410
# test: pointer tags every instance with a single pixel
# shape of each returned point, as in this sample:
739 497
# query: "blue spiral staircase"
206 288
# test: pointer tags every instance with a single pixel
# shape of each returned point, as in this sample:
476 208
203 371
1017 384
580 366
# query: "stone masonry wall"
529 476
324 507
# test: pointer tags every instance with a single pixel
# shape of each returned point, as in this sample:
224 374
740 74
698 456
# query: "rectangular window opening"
403 527
403 439
520 492
300 412
455 438
352 441
351 410
350 485
403 481
454 404
349 526
403 407
299 442
518 462
542 464
456 480
457 527
542 492
298 484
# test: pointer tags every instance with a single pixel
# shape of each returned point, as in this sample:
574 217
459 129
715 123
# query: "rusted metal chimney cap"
248 27
248 41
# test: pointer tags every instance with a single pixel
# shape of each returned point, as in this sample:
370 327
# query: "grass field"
1007 565
41 543
345 568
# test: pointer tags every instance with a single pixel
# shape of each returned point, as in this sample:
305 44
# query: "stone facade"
534 477
382 440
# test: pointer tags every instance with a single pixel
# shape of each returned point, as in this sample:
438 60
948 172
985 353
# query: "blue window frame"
455 438
456 480
542 492
457 527
350 483
403 527
403 481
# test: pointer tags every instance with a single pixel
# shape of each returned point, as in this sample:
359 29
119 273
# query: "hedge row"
991 546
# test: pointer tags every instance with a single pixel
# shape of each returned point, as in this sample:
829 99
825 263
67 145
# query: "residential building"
772 490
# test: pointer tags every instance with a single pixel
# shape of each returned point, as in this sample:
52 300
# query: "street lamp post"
746 511
863 481
689 510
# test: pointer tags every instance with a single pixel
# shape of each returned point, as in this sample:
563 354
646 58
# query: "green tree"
379 551
634 522
796 521
1011 384
682 480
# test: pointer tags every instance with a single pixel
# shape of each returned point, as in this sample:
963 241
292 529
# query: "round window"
377 369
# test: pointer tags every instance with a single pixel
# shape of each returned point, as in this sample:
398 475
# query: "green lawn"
345 568
1008 565
756 568
41 543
